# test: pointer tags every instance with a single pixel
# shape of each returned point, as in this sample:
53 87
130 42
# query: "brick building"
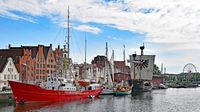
34 63
121 71
157 80
98 64
22 60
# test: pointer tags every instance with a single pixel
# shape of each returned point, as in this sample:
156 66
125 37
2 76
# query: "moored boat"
121 91
27 93
107 91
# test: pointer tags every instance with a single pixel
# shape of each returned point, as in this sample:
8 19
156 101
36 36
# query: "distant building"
86 71
99 71
8 71
157 80
121 71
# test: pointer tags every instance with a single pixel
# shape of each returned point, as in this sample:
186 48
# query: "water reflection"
142 96
32 106
46 106
170 100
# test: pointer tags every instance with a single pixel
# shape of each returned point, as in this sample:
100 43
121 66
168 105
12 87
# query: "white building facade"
9 72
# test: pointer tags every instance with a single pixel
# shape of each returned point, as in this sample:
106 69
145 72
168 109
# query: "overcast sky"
169 28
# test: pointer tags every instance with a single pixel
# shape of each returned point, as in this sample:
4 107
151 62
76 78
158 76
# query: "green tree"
156 70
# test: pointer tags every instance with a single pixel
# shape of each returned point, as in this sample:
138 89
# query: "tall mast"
106 66
124 55
66 60
68 32
106 50
85 48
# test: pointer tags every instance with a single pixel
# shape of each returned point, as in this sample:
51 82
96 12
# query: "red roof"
15 54
2 64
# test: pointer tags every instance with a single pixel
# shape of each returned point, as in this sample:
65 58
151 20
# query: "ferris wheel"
189 68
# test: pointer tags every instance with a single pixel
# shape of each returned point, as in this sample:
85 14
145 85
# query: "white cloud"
86 28
164 22
115 38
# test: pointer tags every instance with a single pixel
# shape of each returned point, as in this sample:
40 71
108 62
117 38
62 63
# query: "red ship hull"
28 93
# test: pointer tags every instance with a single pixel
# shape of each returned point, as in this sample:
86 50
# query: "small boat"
162 86
107 91
55 89
121 91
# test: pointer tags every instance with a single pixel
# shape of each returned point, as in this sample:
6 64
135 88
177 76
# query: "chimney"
9 46
58 46
51 45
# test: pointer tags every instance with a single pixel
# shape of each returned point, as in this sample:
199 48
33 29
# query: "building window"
37 77
8 76
15 76
43 72
5 76
48 71
43 77
37 66
37 71
11 76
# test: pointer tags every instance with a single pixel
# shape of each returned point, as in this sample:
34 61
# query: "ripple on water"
169 100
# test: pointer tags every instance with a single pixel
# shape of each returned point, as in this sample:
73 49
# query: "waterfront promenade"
168 100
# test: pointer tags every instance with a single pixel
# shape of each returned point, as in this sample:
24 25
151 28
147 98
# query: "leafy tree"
156 70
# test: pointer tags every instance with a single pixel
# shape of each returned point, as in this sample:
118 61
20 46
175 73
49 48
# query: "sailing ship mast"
66 59
85 63
105 68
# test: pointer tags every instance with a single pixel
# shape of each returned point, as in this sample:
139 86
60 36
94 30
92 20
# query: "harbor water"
168 100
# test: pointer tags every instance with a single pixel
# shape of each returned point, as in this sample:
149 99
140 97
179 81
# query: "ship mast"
66 59
106 65
68 33
85 48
